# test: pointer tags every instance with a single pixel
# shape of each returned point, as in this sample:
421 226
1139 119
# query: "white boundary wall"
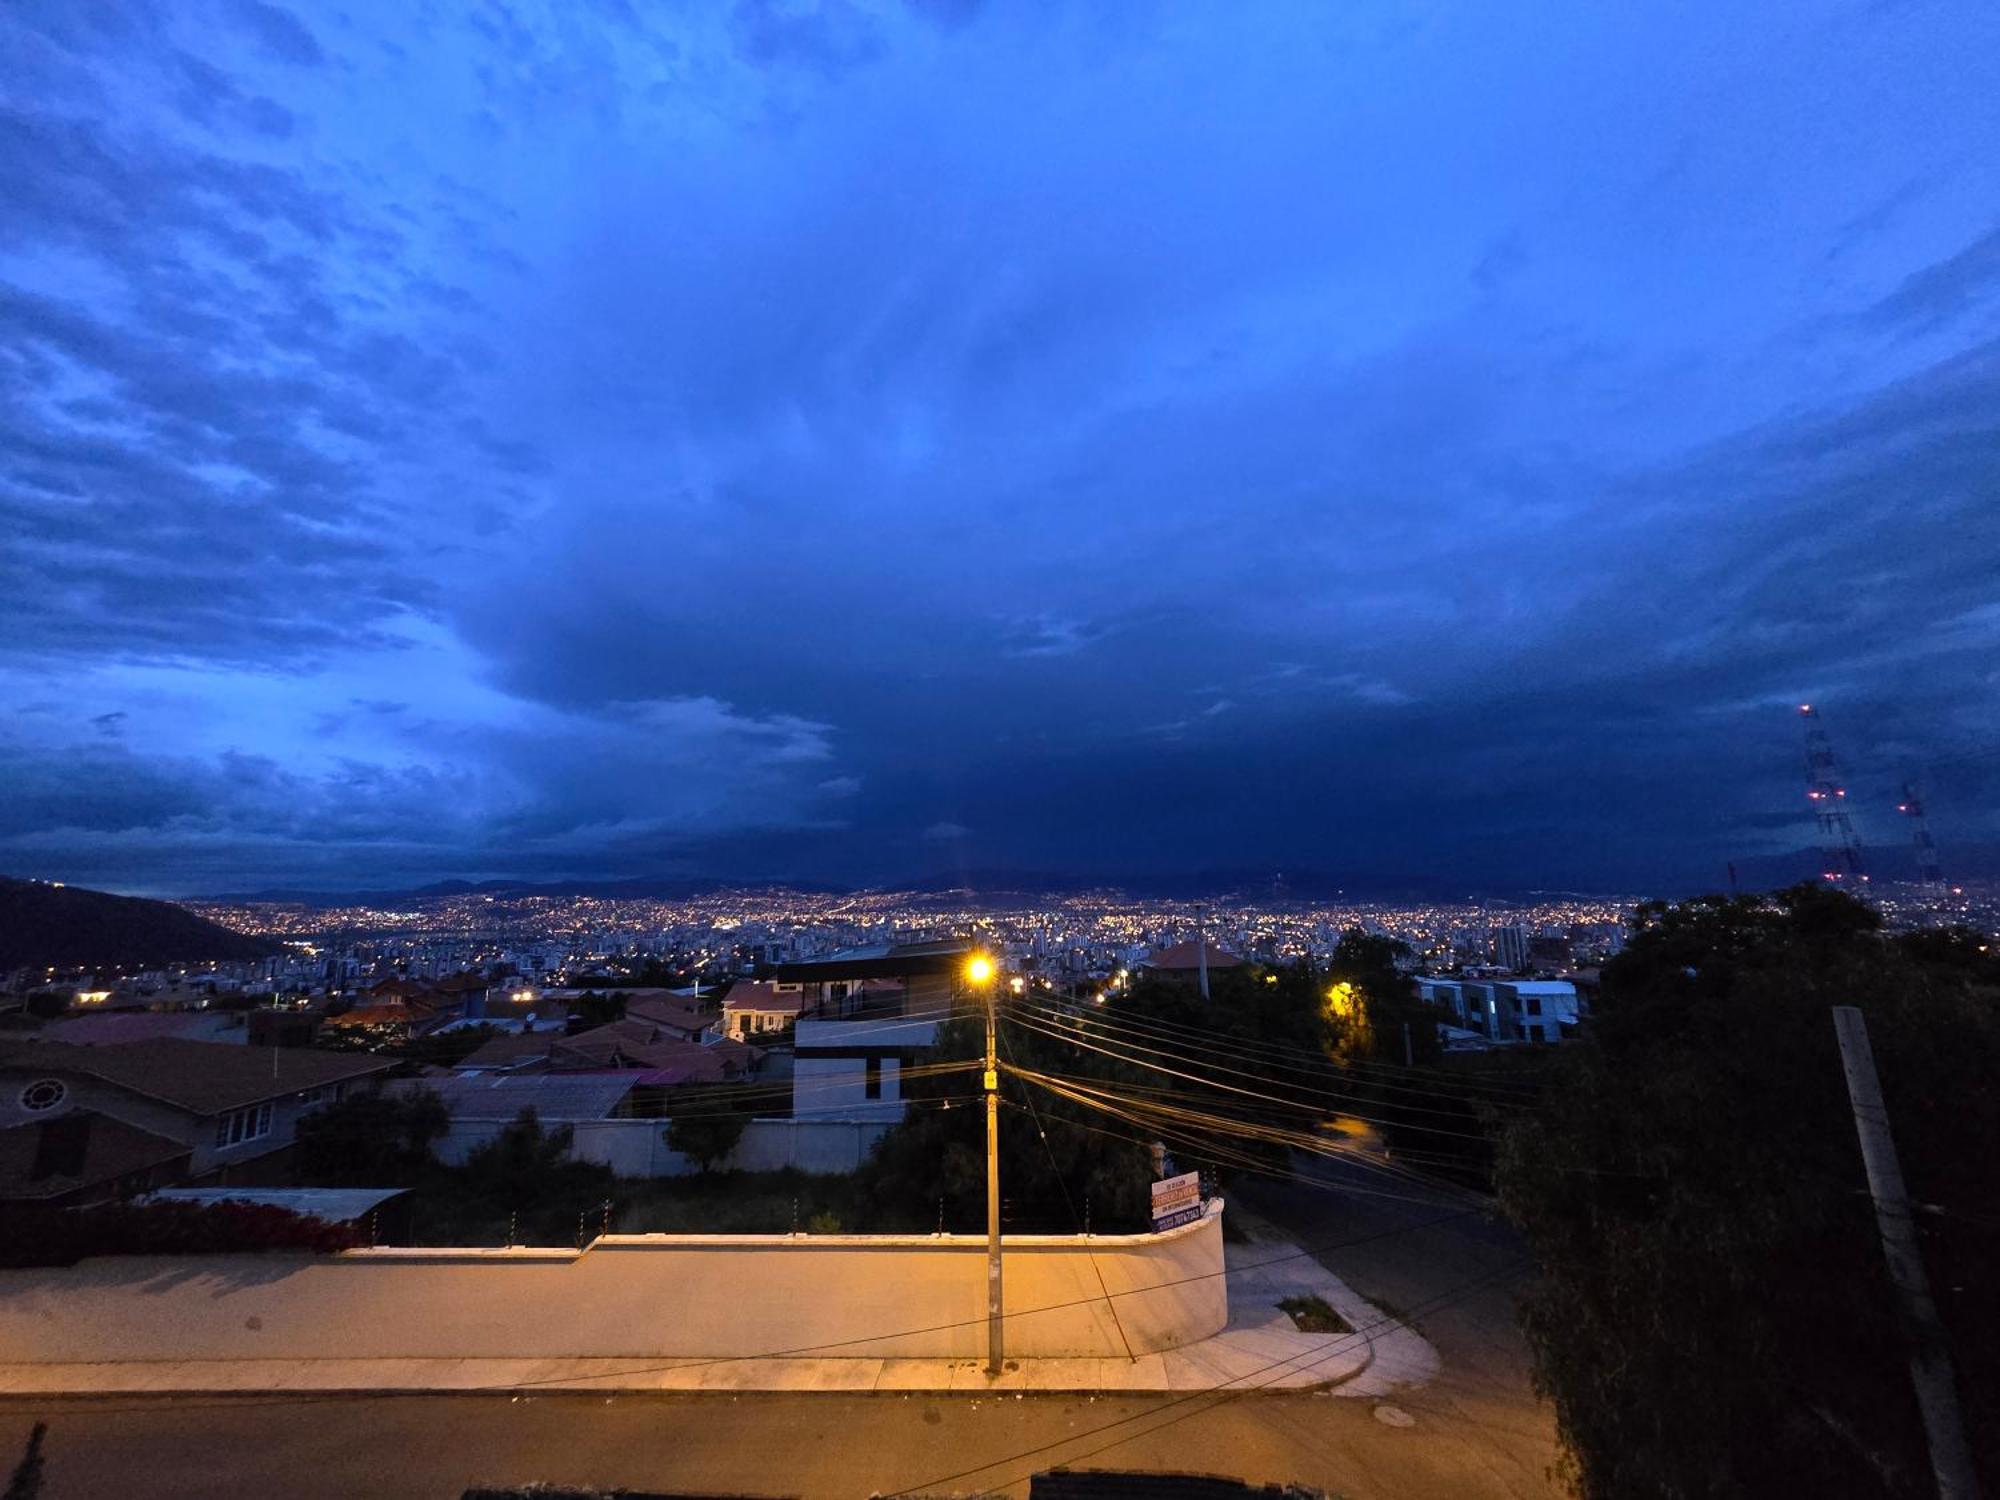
638 1148
663 1296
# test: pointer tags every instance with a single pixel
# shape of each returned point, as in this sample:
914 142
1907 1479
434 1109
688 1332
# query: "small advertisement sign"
1176 1200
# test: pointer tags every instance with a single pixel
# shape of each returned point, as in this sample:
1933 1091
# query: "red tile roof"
1186 956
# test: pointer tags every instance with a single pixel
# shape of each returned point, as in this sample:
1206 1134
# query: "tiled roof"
1186 956
110 1149
204 1078
675 1014
510 1052
553 1096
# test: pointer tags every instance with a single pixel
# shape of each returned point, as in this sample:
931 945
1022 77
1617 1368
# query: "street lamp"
979 970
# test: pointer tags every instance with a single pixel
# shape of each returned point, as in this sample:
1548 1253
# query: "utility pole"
1409 1054
1930 1360
980 969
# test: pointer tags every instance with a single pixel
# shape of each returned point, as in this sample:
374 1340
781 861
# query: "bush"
373 1139
39 1236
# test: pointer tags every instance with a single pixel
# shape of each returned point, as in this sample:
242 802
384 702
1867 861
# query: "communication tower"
1929 872
1840 857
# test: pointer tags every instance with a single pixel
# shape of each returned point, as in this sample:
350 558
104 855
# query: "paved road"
1459 1280
832 1446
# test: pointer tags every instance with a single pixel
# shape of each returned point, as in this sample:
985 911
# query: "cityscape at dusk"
816 749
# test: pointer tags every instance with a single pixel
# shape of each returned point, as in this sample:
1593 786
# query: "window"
1534 1005
241 1125
44 1093
873 1087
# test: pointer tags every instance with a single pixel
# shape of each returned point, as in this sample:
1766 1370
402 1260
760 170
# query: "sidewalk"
1261 1349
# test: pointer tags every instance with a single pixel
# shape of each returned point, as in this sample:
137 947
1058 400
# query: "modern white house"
1507 1010
868 1014
755 1008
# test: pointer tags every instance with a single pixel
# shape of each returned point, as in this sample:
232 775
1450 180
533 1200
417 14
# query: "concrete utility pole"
995 1350
1930 1360
981 972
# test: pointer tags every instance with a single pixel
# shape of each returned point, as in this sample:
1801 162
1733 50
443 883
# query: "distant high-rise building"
1510 947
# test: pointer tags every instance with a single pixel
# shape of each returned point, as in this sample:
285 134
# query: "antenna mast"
1930 874
1840 857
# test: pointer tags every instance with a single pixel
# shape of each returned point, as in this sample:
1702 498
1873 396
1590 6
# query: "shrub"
33 1235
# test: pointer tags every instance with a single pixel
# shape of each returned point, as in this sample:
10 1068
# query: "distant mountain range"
1290 885
637 889
1979 862
65 926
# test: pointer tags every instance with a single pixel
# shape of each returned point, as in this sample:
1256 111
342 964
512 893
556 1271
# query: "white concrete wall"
664 1296
838 1086
638 1148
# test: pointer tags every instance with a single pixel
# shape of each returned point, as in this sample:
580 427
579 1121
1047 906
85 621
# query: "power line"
1135 1033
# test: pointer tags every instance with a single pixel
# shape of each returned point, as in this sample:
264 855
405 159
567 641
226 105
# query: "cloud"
594 438
279 33
1939 293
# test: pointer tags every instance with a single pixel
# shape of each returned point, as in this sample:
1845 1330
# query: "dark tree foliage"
596 1008
937 1156
1275 1026
381 1138
705 1123
1713 1316
526 1171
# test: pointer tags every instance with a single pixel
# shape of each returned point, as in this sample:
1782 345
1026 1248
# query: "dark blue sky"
855 440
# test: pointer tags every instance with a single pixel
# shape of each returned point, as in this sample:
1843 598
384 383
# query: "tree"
1712 1315
527 1171
706 1124
380 1138
935 1160
596 1008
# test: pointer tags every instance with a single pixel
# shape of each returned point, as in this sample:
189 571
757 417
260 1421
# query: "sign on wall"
1176 1200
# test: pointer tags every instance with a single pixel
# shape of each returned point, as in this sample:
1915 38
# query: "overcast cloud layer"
855 440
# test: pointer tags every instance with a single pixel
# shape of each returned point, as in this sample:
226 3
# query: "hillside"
65 926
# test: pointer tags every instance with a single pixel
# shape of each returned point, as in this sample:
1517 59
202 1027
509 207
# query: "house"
233 1109
868 1014
1186 961
77 1157
674 1015
759 1007
1507 1010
